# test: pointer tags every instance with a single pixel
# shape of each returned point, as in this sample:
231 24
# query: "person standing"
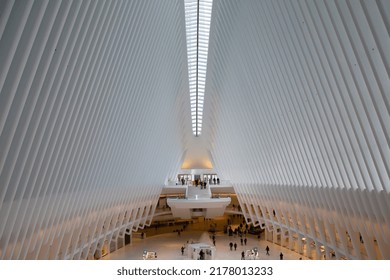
182 250
235 246
281 255
201 255
243 255
245 240
267 250
231 246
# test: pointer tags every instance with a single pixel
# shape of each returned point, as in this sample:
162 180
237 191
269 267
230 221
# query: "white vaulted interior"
96 117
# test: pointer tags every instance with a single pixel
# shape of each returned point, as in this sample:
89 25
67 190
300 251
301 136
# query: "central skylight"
198 17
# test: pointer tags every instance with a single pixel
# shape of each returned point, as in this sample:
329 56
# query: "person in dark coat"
201 255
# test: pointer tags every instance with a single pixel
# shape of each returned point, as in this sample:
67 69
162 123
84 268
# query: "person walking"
243 255
281 255
231 246
245 240
267 250
182 250
235 246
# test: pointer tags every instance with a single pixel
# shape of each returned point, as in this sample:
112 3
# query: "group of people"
267 250
241 230
197 182
214 180
202 185
231 245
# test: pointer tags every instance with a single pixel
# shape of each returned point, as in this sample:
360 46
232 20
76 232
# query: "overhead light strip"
198 17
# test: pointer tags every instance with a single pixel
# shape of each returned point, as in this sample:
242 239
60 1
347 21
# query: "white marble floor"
168 247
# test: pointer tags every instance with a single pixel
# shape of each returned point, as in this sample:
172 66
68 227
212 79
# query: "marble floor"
167 244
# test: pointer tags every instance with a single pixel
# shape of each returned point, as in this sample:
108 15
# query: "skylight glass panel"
198 17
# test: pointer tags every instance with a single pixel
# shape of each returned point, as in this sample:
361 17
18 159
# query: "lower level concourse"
167 243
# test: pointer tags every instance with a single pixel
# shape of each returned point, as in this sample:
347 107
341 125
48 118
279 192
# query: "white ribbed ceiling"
298 93
95 117
94 109
297 117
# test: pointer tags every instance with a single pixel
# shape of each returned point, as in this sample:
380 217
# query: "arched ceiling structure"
297 117
298 93
94 113
95 117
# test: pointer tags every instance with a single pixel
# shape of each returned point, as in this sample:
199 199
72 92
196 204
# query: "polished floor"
167 244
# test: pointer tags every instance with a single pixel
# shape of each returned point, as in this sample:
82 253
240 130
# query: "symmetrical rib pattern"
93 106
94 118
297 116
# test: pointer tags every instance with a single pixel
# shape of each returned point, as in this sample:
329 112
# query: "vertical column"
275 236
300 244
318 254
337 254
332 234
355 240
290 241
286 238
308 248
328 256
342 232
268 235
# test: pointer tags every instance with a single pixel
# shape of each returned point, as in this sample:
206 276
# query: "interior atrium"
169 129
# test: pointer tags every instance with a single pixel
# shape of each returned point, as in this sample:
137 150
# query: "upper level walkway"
196 201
